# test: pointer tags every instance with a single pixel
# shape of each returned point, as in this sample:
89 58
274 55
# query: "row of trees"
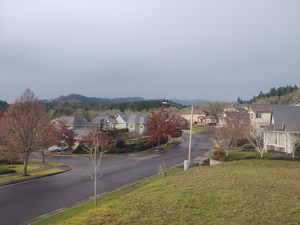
280 91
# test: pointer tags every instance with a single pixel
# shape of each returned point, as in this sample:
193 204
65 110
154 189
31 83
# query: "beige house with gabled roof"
260 115
199 117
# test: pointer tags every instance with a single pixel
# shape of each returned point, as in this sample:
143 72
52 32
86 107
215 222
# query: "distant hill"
107 101
196 102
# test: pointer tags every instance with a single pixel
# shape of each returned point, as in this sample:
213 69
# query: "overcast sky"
194 49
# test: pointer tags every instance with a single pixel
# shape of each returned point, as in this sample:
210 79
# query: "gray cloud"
214 50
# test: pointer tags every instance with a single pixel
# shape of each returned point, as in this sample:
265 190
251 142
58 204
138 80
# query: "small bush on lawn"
276 157
272 151
10 159
120 144
249 156
6 170
216 157
116 151
229 158
140 146
297 149
248 147
81 149
218 152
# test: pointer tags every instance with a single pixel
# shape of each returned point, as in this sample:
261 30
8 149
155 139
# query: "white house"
134 122
284 129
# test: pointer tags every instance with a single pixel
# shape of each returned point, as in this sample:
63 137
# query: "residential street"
24 201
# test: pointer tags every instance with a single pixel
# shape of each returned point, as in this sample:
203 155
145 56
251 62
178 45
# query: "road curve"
27 200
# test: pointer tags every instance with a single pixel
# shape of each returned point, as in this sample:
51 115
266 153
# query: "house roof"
195 112
245 105
123 116
137 118
260 107
295 102
111 120
74 121
285 118
100 119
243 113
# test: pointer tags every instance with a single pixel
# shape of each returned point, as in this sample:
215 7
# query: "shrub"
229 158
10 159
116 151
140 146
216 157
276 157
81 149
297 149
6 170
218 152
120 144
248 147
249 156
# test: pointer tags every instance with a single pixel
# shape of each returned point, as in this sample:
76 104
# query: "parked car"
56 148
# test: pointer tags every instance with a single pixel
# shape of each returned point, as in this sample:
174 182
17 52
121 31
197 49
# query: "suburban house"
209 118
284 129
134 122
241 112
100 120
80 126
260 115
295 103
199 117
236 107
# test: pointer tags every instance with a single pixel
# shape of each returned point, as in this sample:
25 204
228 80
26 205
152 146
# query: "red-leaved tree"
160 126
66 132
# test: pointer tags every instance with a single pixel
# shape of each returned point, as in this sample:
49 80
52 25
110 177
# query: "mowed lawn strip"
70 213
255 153
31 166
238 192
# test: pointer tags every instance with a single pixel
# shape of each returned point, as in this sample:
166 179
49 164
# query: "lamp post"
191 128
62 150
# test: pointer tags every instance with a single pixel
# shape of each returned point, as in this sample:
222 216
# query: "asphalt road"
27 200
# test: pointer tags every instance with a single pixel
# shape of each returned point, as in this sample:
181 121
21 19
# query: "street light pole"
190 144
191 127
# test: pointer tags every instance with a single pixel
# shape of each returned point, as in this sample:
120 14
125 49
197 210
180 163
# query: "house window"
251 116
258 115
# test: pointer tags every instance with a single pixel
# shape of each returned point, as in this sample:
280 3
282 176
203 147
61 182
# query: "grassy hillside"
239 192
285 99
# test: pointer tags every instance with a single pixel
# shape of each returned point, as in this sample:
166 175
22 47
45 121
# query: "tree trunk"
95 188
262 154
25 164
43 155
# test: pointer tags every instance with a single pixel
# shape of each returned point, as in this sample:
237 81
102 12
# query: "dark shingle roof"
74 121
287 117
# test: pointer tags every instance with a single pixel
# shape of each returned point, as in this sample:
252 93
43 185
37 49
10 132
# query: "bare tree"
24 126
97 143
227 135
257 138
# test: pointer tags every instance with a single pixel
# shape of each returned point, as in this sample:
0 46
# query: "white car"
56 148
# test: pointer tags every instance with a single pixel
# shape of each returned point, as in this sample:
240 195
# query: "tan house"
260 115
200 116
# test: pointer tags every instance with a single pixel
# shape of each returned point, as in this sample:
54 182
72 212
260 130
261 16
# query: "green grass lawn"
238 192
255 153
20 168
197 129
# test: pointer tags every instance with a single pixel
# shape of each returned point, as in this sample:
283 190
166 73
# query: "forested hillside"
281 95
